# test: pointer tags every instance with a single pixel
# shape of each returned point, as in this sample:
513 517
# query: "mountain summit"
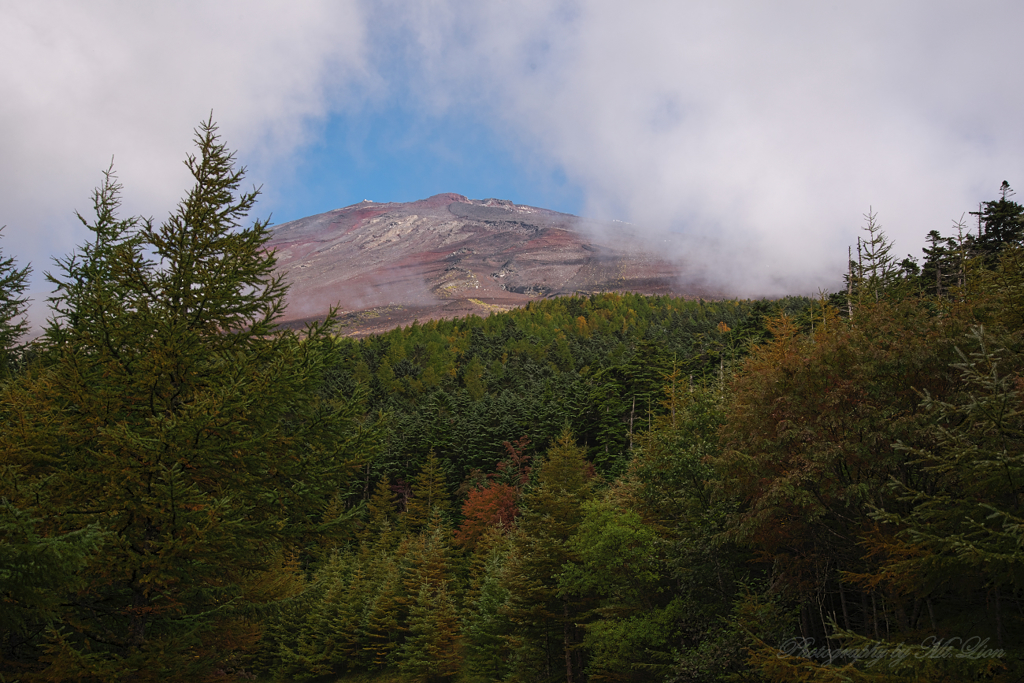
388 264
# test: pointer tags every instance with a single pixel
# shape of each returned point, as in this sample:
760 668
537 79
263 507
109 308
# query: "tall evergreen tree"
963 529
36 575
13 305
547 631
941 263
877 268
429 494
168 410
484 626
1001 223
432 652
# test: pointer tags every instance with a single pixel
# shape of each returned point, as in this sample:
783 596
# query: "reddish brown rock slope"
389 264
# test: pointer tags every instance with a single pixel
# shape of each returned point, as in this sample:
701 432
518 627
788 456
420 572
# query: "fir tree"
429 494
1001 224
941 264
167 409
877 269
382 516
547 620
965 528
13 305
432 652
384 621
37 574
485 628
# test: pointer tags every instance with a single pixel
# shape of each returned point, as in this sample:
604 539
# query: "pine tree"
13 305
485 628
167 409
382 516
384 624
429 494
1001 224
941 264
432 651
964 529
545 619
37 574
877 269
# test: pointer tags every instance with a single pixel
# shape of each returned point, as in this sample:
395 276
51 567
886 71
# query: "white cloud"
762 131
85 81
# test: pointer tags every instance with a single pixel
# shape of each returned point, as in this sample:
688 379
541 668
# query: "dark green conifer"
429 494
1001 224
13 305
547 630
432 651
167 409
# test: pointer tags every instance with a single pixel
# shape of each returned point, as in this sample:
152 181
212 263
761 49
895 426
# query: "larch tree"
168 409
13 306
546 619
429 494
1001 224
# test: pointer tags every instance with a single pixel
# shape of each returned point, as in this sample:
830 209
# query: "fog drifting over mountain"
754 134
757 132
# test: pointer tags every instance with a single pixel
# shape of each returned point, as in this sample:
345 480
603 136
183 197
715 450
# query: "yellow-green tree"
429 494
546 631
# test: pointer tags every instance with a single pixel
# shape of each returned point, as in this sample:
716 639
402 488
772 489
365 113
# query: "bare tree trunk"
842 601
874 614
567 641
999 620
849 282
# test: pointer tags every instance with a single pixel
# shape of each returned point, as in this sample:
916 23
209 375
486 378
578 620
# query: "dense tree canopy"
167 413
603 488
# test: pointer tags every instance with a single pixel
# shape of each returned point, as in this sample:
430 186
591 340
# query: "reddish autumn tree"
495 504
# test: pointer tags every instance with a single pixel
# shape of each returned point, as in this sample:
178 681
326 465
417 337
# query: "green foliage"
682 626
429 494
432 650
944 263
545 620
1000 224
167 411
628 628
959 528
812 423
190 493
37 574
13 305
485 627
464 387
875 271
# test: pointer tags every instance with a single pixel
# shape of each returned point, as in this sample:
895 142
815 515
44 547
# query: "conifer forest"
605 488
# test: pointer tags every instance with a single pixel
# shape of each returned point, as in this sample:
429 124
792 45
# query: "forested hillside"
603 488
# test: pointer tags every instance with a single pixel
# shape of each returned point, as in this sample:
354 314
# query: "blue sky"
399 154
751 135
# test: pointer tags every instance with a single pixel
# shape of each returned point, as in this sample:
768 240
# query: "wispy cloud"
760 132
756 134
85 81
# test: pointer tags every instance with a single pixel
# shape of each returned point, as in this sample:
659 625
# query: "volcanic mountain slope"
386 265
